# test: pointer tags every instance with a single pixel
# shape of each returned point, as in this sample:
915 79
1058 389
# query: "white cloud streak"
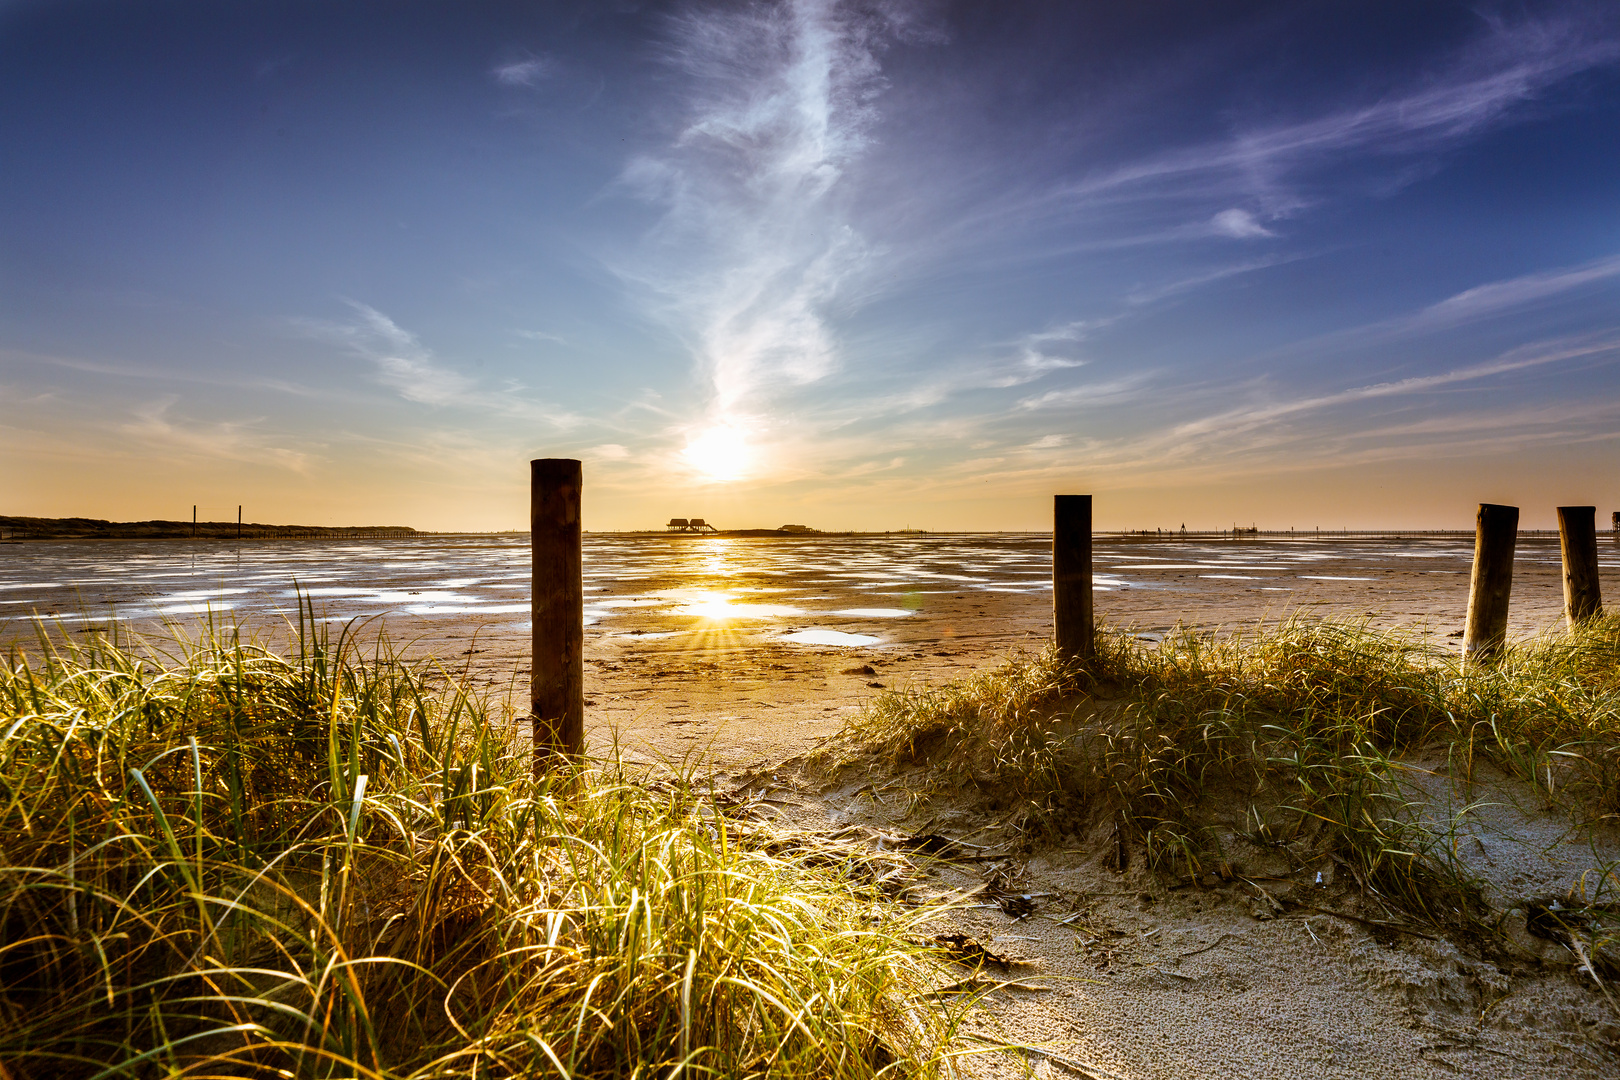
1486 84
1479 304
164 435
1248 418
525 72
1501 297
410 368
1239 225
753 249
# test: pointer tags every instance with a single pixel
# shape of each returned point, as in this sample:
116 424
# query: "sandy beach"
742 654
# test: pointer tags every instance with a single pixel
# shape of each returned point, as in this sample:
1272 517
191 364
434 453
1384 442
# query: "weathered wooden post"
1577 542
1072 613
557 687
1496 531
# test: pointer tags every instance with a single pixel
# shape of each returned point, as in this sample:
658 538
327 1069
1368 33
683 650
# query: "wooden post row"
1577 542
557 688
1496 531
1073 617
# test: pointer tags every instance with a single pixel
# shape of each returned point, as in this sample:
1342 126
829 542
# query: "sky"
872 265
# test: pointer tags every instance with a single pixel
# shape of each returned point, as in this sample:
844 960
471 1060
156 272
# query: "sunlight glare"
719 453
714 605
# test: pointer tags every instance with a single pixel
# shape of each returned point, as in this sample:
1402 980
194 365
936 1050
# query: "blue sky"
853 265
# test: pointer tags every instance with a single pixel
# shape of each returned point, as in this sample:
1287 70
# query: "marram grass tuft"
1293 733
231 860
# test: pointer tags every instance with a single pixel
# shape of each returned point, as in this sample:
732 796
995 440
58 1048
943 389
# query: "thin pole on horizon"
1577 543
194 521
1073 617
1496 532
557 610
239 521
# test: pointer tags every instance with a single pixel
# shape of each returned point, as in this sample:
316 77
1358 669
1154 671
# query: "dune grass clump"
1300 730
233 860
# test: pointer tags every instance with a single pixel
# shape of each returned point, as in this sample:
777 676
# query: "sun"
720 453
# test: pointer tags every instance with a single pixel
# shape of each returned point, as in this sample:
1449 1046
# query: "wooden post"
194 521
1072 615
557 689
1495 533
1577 541
239 521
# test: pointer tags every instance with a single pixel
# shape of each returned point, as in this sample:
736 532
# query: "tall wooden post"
194 521
1072 613
557 689
239 521
1496 531
1577 541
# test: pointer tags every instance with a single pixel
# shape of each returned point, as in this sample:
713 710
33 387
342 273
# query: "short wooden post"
1577 541
1496 531
1072 613
557 688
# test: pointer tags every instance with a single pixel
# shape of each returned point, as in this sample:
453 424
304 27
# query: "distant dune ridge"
32 528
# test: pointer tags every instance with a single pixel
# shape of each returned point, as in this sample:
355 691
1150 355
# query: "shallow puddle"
828 637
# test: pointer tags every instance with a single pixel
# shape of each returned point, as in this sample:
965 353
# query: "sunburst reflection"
721 604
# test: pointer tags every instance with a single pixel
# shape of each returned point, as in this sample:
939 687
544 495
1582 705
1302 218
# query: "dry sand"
1127 975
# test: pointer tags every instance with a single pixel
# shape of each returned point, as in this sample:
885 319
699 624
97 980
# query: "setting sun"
720 453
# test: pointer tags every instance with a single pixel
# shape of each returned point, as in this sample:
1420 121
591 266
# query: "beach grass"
219 857
1300 732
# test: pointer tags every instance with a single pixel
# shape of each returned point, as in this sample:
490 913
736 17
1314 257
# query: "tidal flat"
753 648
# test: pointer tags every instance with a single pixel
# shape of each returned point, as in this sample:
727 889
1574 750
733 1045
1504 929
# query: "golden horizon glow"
720 453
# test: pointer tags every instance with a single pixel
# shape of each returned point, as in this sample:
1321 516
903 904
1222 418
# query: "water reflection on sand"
804 590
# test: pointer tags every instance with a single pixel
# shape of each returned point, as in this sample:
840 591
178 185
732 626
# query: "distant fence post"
1072 614
557 689
1577 542
1496 531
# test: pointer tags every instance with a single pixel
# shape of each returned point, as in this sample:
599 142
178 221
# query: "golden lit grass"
233 861
1278 735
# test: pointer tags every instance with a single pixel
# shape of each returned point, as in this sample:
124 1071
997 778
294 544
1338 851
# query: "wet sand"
700 645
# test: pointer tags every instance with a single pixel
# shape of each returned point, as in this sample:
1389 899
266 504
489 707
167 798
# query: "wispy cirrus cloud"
1512 294
1484 84
1247 418
755 248
148 372
403 363
1239 224
527 71
163 434
1088 395
1474 305
1415 418
541 335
